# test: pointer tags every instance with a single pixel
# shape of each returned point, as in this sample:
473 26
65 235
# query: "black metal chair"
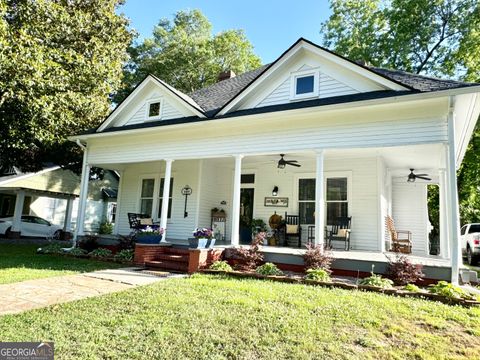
294 222
341 230
135 220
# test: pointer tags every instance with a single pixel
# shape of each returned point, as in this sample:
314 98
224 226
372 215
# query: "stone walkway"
32 294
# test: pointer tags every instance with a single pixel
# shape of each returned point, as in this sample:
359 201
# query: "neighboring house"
355 130
52 194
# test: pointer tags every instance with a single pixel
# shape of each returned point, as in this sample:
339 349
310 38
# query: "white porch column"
166 196
82 200
235 236
319 201
443 195
119 194
452 200
17 214
67 223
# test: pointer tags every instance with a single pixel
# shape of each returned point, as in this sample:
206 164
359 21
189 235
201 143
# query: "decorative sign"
186 191
276 201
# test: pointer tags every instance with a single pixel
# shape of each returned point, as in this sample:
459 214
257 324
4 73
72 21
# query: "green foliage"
412 288
221 265
124 255
101 253
53 248
106 227
268 269
377 280
77 252
450 291
184 53
318 275
438 38
59 62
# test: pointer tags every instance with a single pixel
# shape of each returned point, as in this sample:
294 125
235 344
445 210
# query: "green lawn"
208 317
20 262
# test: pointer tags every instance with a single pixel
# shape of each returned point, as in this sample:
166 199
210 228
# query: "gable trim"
384 80
197 110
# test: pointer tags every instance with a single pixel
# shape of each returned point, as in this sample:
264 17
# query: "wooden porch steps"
172 259
167 265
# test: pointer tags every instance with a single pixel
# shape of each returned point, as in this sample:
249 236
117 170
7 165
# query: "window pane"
306 189
305 84
306 212
335 210
169 209
154 109
248 179
337 189
147 187
162 181
146 206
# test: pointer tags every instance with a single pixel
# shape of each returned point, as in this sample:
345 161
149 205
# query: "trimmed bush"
377 280
268 269
318 275
316 258
124 255
221 265
249 258
100 253
401 270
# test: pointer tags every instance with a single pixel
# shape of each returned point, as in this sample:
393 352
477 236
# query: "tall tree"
59 62
430 37
184 53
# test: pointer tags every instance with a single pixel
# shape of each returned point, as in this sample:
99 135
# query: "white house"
355 130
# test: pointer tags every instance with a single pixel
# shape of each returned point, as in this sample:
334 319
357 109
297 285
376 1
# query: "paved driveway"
32 294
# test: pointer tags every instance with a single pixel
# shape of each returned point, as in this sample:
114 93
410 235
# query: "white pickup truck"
470 239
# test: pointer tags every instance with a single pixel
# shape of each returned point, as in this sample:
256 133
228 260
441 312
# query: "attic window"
304 84
154 109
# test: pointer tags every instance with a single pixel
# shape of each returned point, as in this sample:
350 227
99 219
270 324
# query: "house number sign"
186 191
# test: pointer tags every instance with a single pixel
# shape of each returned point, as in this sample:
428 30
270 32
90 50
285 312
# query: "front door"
246 215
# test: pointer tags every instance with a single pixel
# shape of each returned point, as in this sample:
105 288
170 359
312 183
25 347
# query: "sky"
271 26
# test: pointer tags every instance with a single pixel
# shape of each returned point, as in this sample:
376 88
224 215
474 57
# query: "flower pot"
211 243
200 243
149 239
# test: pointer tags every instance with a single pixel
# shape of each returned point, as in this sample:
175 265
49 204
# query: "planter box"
149 239
202 243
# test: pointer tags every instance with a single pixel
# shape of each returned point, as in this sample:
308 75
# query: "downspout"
84 162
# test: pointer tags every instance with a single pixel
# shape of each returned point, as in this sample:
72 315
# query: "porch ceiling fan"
412 177
282 162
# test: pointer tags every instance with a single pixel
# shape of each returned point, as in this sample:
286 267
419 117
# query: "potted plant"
202 239
150 234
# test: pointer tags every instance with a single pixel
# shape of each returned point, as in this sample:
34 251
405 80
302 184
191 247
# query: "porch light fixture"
281 165
275 191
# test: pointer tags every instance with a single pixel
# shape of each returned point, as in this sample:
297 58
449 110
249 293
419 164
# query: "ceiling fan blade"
291 160
423 177
420 175
297 165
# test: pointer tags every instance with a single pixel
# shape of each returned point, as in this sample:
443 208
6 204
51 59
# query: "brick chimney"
224 75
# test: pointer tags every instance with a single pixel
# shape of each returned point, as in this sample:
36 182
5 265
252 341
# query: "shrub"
126 242
316 258
318 275
401 270
106 227
124 255
412 288
250 258
221 265
77 252
268 269
100 253
450 291
89 243
52 248
377 280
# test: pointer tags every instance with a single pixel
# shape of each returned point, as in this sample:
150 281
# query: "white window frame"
147 109
304 73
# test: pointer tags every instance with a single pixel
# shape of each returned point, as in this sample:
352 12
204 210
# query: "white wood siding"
410 213
168 112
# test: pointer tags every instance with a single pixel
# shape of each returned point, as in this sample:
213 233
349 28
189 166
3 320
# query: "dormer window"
154 110
304 84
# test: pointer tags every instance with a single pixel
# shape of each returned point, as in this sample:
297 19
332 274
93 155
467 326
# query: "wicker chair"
401 239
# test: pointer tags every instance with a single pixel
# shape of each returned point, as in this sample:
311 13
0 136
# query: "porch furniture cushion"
341 231
401 239
292 229
292 220
146 221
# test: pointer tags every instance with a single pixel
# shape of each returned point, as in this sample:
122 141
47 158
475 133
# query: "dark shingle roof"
215 96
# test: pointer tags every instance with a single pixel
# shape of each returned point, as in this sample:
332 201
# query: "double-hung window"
306 201
146 196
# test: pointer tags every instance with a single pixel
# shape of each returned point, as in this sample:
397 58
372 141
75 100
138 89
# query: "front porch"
367 184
